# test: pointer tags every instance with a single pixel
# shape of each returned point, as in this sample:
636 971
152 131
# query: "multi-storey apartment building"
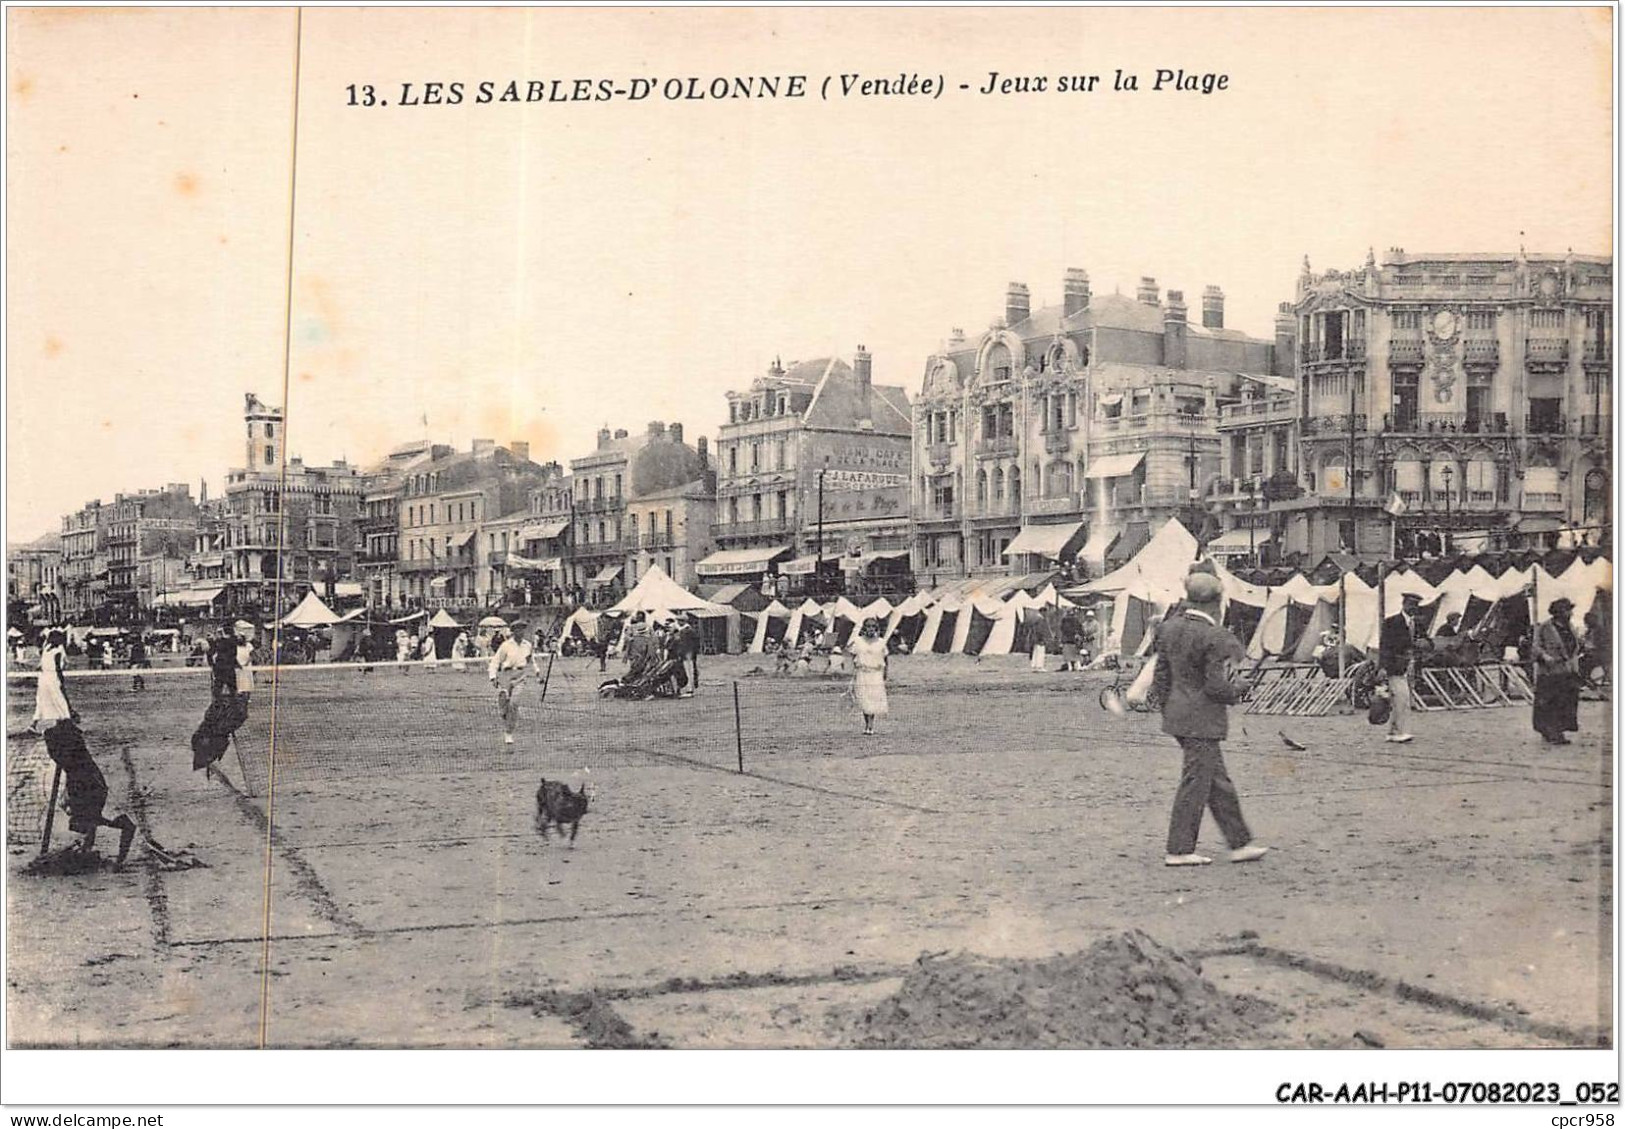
525 549
1470 390
149 536
378 521
813 464
672 507
597 564
289 529
1074 429
84 560
445 502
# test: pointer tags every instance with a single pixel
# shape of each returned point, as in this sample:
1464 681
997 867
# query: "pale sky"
535 272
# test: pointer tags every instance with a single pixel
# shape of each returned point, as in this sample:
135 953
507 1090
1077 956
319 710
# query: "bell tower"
263 435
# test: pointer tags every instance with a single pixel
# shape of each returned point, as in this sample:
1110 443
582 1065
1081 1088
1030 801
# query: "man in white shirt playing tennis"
508 667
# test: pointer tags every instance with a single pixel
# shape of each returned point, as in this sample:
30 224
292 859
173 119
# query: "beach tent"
1160 565
771 623
657 592
311 612
580 625
1271 637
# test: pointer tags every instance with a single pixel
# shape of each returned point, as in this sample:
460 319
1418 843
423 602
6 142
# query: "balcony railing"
1482 352
998 445
1405 350
1542 501
1280 409
616 548
1446 423
1333 424
1546 354
430 565
1596 425
658 540
767 527
1597 352
600 505
1320 353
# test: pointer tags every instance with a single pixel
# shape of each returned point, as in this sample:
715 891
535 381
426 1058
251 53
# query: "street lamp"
1449 477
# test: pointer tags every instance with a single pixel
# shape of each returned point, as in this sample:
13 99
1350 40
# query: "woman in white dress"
459 651
430 656
869 681
51 699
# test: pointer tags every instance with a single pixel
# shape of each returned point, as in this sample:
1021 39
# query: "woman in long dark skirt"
1557 675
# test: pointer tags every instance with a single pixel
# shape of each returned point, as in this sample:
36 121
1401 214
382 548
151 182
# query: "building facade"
444 504
1073 430
378 520
1470 393
34 579
288 529
525 549
672 508
149 536
597 563
813 464
84 561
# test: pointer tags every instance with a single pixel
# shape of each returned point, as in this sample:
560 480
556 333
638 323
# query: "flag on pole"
1396 505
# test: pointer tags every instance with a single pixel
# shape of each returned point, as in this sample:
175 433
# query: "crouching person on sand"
65 744
1197 684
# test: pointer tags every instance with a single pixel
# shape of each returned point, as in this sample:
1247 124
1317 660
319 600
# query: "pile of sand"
1124 991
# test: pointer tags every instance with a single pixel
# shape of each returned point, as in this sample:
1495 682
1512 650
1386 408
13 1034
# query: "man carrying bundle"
507 670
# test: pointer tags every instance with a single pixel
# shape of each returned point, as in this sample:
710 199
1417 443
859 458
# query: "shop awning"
801 566
534 564
189 598
607 574
346 590
217 560
440 582
1539 523
1100 542
1044 540
462 539
544 530
1114 466
1236 541
740 562
1111 400
863 560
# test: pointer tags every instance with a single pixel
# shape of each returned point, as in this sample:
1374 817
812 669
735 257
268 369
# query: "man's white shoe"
1399 738
1248 853
1186 860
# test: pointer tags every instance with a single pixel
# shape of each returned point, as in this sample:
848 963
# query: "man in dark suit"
1196 661
1396 650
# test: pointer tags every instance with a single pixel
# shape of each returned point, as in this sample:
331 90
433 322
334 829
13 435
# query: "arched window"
998 486
981 489
998 363
1015 486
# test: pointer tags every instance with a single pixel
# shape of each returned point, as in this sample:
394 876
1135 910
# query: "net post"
739 736
547 676
50 811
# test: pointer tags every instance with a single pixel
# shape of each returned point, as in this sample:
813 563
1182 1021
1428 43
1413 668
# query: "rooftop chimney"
705 459
620 433
657 429
1286 340
1212 308
1075 291
1147 292
520 450
676 432
1017 304
484 446
604 437
863 378
1173 330
956 336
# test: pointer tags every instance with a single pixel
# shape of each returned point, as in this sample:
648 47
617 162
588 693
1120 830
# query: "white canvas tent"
311 612
774 610
657 592
1160 565
443 621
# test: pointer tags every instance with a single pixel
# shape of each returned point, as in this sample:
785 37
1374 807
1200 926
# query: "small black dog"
556 804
